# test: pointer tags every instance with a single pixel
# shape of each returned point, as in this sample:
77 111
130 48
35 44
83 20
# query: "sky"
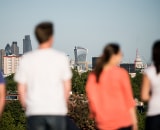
134 24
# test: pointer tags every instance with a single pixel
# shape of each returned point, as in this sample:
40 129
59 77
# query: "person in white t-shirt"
44 83
151 90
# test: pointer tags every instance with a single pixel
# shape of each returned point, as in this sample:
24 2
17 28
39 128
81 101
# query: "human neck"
109 65
45 45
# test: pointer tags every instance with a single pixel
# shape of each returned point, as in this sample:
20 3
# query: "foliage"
141 120
79 81
13 117
7 122
136 84
11 84
79 111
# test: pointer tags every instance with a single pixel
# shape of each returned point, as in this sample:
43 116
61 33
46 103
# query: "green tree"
11 84
76 83
84 77
141 120
79 81
13 117
7 122
136 84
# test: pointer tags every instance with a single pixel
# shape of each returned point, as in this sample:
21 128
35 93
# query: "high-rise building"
80 54
94 61
27 44
8 50
15 48
11 64
2 53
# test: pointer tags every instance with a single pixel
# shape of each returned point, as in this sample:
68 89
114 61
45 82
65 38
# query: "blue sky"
87 23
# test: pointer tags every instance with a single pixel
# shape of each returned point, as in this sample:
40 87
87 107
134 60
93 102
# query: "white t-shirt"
154 102
43 71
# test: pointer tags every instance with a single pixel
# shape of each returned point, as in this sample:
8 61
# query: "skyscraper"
2 53
15 48
94 61
80 54
27 44
8 50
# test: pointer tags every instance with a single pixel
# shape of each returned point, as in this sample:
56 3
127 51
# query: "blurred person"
44 83
2 93
150 91
109 93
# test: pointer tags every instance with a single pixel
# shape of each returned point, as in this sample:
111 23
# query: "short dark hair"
44 31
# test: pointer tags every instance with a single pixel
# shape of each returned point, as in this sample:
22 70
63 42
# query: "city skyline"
9 56
90 24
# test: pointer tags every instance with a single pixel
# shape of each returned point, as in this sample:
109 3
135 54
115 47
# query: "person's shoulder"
29 55
121 70
92 75
59 54
150 69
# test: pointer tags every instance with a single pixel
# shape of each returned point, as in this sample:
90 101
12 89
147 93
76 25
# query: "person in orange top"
109 93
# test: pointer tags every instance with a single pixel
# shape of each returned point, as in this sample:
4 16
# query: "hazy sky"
87 23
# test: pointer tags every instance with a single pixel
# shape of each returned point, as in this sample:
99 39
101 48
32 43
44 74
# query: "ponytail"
108 51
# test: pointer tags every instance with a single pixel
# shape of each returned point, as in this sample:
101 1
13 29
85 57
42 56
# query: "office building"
94 61
80 54
11 64
130 67
2 53
27 44
8 50
14 48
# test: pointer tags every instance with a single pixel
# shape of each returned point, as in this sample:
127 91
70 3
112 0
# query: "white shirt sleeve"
66 69
20 75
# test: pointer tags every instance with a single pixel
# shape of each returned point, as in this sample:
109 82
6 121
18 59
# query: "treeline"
14 119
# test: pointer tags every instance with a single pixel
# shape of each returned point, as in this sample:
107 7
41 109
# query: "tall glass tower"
8 50
80 54
15 48
27 44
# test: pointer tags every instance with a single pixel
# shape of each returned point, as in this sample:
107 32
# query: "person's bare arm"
128 94
2 97
145 90
22 94
134 118
67 89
